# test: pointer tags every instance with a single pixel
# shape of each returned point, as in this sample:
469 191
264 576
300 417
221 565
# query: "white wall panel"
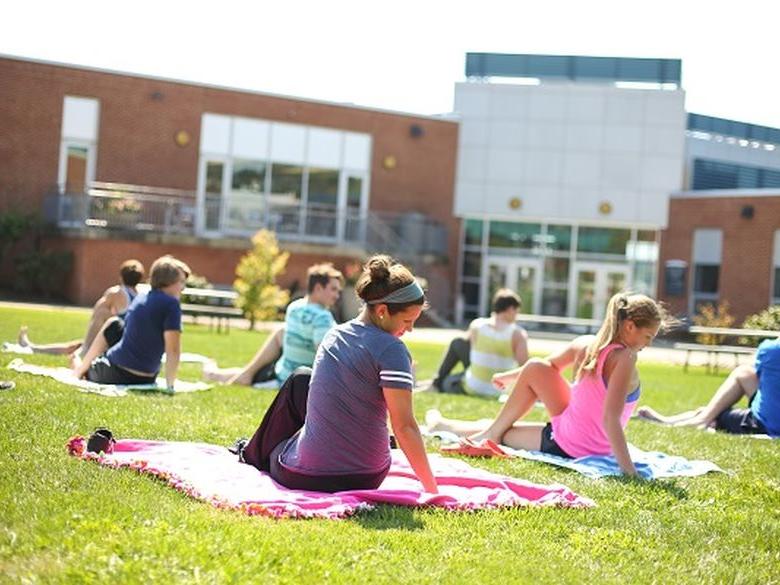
621 171
547 104
472 100
625 106
584 137
357 151
215 134
470 197
509 103
250 138
506 134
80 118
582 170
323 148
505 165
623 138
472 164
473 132
288 143
542 168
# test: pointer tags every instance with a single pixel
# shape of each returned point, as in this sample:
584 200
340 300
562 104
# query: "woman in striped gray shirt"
327 428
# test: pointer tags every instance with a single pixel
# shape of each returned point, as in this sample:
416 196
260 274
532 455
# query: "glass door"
594 285
213 194
522 276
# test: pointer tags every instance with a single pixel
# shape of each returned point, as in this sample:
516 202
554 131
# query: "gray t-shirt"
346 416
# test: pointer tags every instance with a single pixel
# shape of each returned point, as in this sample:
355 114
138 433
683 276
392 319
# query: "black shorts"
739 421
114 331
549 445
103 371
265 374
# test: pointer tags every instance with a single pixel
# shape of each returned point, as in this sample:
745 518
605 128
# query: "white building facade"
563 180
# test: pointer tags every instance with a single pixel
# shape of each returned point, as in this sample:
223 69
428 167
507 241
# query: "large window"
710 174
298 180
593 240
707 250
505 234
247 201
285 198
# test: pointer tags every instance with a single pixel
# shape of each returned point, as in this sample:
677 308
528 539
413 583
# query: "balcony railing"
117 207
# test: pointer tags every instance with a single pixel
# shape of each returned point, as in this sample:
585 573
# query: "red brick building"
131 166
720 246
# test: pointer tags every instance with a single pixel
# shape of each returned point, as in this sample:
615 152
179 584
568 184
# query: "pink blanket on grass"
213 474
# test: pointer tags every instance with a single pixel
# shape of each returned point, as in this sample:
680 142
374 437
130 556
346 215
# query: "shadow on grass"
387 517
654 486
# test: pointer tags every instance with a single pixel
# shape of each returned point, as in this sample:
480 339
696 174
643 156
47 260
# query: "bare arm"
399 405
618 387
104 309
172 355
520 346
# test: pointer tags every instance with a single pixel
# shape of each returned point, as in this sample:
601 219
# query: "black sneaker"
101 441
238 447
7 385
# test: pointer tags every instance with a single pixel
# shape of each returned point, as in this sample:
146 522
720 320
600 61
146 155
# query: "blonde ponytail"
640 309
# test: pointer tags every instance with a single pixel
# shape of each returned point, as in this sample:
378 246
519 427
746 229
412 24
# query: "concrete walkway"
539 343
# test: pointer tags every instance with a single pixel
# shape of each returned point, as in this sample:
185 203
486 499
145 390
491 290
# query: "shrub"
42 271
711 316
14 225
768 320
259 298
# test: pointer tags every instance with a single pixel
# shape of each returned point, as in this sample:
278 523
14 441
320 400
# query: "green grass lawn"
65 520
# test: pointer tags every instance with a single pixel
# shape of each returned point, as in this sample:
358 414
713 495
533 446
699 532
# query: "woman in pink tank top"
588 417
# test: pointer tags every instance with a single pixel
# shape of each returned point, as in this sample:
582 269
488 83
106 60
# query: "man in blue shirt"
306 322
152 326
761 386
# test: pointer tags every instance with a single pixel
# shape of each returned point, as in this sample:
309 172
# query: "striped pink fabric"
213 474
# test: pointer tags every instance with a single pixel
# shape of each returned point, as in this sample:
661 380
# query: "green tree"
259 297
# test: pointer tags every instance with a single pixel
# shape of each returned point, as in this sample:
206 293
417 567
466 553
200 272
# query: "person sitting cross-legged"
493 344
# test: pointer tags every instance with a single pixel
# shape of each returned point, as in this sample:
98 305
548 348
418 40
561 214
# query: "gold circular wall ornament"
605 208
182 138
389 162
515 203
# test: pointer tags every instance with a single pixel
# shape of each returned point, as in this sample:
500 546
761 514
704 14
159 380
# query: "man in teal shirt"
307 320
305 324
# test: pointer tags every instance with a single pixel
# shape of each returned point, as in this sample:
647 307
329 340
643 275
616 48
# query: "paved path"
540 343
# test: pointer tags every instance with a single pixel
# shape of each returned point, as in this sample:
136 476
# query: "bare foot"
242 379
484 436
433 420
22 338
647 413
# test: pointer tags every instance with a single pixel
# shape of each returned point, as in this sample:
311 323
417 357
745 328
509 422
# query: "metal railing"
113 206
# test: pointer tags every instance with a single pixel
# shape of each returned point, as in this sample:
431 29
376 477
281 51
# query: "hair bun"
379 268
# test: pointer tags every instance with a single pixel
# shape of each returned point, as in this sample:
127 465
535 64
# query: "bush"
768 320
259 298
42 271
14 225
711 316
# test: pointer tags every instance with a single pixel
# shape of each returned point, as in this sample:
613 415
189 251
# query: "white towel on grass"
65 376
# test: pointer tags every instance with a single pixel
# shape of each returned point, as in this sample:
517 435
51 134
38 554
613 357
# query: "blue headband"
406 294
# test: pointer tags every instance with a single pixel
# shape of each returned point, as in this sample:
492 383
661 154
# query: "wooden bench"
218 307
712 352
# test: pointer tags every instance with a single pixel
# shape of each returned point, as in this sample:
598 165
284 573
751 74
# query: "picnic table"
715 350
218 306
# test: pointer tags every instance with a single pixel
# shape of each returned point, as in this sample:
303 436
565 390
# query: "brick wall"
139 118
747 263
